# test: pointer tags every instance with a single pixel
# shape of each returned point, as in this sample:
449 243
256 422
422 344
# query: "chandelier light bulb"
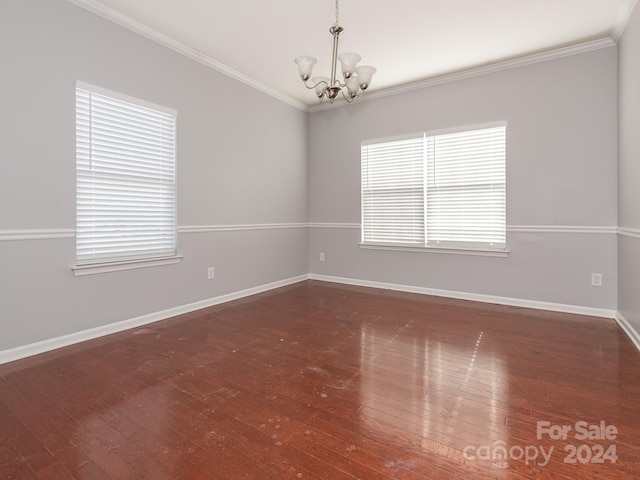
348 63
353 85
365 72
305 67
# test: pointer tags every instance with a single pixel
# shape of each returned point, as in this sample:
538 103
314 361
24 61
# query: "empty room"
233 248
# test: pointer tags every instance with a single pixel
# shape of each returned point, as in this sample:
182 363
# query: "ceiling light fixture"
356 79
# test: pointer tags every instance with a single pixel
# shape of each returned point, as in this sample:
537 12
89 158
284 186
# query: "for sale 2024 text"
583 431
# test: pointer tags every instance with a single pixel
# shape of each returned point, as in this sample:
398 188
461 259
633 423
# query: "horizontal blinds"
126 179
393 191
466 193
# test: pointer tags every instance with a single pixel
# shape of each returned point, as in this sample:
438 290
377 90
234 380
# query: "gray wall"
245 158
561 172
629 173
242 159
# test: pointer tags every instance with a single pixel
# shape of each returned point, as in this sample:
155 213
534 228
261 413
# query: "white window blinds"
466 189
393 191
443 190
125 178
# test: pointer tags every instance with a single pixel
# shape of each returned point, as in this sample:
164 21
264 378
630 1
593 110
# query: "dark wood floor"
320 381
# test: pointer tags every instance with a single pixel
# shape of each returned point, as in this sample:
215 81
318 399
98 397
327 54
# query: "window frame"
459 248
155 179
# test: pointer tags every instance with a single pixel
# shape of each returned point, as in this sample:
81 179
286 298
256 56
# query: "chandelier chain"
337 12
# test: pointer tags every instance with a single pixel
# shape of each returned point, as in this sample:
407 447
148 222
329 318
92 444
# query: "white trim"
162 39
73 338
232 228
623 17
49 234
106 267
125 98
561 229
482 252
335 225
475 297
475 72
631 332
512 228
36 234
466 128
393 138
629 232
166 41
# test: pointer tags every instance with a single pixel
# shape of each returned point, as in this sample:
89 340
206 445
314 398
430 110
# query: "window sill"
106 267
482 252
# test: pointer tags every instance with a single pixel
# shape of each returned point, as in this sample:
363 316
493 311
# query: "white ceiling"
406 40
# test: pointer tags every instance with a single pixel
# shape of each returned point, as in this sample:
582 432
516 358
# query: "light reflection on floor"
432 380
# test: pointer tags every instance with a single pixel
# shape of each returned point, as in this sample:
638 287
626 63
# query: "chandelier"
355 79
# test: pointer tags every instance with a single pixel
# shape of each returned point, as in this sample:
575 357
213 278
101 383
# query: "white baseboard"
476 297
631 332
66 340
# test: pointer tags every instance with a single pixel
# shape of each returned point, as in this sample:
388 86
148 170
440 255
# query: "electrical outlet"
211 273
322 256
596 279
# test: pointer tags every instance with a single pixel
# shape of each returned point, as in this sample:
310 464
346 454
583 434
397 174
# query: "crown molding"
476 72
623 17
166 41
118 18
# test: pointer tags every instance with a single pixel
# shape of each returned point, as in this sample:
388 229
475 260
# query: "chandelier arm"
306 84
349 98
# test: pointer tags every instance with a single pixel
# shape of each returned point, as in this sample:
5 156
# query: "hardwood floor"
321 381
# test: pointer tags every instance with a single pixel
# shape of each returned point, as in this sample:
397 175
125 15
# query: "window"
125 178
445 190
